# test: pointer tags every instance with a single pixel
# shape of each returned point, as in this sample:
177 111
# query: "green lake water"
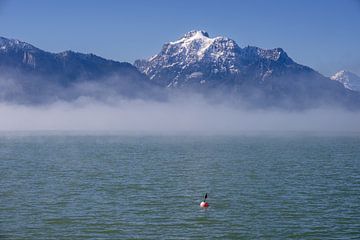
260 186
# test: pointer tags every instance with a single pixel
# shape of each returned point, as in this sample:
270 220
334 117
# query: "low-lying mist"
190 115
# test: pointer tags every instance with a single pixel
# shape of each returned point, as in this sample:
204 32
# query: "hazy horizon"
177 116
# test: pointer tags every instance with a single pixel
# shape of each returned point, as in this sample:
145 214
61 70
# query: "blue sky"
323 34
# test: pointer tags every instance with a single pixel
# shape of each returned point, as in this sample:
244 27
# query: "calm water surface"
149 187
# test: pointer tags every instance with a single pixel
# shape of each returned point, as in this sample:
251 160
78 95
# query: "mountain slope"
348 79
29 74
186 59
253 75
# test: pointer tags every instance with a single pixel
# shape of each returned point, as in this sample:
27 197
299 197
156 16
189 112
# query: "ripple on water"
117 187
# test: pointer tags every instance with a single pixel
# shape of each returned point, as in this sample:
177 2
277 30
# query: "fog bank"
193 116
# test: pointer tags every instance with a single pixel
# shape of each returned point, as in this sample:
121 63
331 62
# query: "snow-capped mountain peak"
6 44
198 57
341 75
195 44
348 79
194 34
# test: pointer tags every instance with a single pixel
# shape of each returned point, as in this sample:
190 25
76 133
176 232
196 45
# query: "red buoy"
204 204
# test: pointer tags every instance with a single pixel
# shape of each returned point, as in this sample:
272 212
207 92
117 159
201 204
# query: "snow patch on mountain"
195 42
10 44
348 79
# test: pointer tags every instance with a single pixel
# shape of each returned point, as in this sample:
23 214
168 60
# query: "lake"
113 186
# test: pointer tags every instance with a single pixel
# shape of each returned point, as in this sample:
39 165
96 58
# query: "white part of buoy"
204 204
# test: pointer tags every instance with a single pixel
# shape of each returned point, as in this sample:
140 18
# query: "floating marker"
204 204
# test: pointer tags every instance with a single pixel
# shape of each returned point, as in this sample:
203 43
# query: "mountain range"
30 75
217 68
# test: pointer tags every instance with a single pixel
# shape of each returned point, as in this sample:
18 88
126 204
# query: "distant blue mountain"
31 75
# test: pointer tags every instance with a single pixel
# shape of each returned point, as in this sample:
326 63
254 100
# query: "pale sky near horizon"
322 34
